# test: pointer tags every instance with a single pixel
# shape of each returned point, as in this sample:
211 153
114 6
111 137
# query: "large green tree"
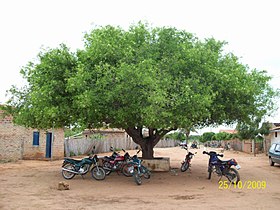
145 80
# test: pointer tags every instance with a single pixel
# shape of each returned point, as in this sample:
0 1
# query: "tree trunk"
147 149
187 135
146 142
254 147
264 145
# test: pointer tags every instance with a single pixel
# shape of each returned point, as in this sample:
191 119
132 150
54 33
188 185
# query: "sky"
250 27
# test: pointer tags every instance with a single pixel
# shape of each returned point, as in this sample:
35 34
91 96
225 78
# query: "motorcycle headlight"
131 169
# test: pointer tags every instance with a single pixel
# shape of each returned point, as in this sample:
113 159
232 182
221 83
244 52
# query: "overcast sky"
250 27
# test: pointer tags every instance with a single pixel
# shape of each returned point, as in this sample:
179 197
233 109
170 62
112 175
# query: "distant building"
274 134
272 137
17 142
228 131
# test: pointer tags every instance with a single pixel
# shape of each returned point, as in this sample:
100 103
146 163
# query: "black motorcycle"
187 162
223 168
194 146
72 167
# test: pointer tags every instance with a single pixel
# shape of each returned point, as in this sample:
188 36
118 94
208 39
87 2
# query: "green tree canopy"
157 78
177 135
222 136
251 130
207 136
45 102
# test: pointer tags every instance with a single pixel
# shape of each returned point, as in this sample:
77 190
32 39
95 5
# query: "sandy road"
33 185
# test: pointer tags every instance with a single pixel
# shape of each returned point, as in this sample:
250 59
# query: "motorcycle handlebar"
212 153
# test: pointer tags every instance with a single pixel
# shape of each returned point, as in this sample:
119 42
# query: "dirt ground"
33 185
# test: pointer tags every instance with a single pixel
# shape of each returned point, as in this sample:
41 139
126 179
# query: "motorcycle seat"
72 160
106 158
225 162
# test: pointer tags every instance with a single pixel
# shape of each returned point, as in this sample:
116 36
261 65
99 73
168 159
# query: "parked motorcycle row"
131 166
122 164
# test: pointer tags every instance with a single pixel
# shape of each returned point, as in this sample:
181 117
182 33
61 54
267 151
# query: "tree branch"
151 132
134 133
140 131
159 134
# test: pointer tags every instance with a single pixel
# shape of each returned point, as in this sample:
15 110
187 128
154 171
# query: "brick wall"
244 146
10 142
247 146
39 152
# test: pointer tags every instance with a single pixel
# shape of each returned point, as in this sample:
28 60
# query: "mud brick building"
17 142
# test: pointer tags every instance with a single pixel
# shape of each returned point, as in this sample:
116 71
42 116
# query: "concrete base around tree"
157 164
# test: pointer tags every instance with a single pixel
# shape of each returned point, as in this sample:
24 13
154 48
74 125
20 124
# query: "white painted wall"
275 139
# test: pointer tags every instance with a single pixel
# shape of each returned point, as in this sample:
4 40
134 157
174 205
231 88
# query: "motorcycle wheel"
209 172
146 172
125 170
233 176
67 174
147 175
185 166
98 173
137 177
106 167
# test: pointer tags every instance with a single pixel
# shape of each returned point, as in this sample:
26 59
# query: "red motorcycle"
116 162
187 162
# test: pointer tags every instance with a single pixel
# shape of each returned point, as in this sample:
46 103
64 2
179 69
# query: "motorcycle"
223 168
194 146
72 167
187 162
114 154
137 170
116 162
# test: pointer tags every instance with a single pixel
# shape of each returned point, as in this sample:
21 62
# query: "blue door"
49 145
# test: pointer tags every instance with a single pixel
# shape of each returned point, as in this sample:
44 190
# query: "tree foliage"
157 78
207 136
177 135
45 102
252 129
223 136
